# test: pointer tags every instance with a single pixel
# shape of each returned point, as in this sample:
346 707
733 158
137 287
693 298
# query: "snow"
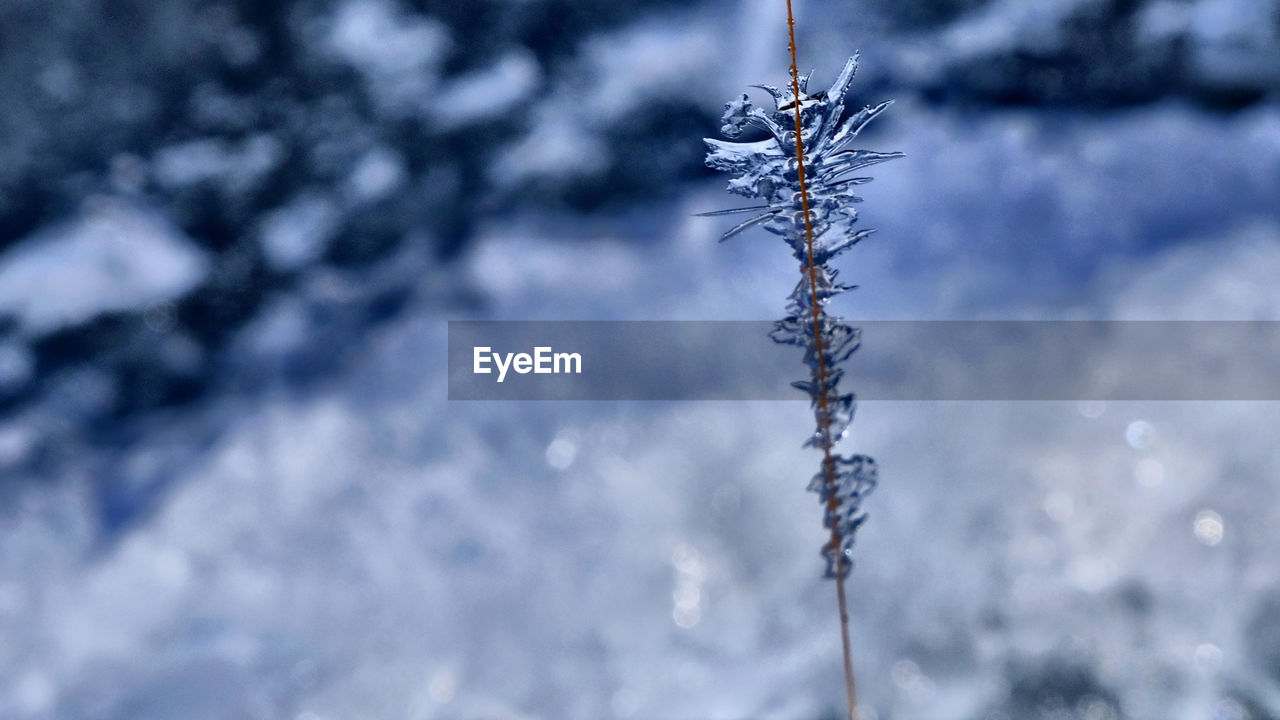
489 93
1003 25
347 553
380 41
113 257
17 366
1235 41
296 234
617 75
399 53
1227 277
238 165
376 174
556 147
647 61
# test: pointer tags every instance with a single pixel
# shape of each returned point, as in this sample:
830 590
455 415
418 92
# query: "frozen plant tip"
815 216
804 171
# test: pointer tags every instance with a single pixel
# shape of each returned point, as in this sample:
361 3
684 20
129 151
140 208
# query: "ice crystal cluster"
768 169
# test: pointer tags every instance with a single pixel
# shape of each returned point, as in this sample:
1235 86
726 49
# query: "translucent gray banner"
898 360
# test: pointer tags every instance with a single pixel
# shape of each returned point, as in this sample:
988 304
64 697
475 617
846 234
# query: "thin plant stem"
824 416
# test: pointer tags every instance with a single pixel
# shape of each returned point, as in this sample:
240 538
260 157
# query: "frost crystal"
768 169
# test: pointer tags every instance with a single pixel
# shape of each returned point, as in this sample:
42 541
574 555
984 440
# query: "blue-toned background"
231 235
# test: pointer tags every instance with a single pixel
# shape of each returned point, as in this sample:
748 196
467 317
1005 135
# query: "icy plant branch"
803 174
769 170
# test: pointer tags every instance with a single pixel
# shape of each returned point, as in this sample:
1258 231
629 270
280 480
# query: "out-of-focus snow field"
360 547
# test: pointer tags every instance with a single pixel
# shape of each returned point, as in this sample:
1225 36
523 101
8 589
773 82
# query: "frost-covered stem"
823 416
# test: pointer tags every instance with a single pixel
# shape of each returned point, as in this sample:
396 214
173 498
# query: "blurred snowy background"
231 486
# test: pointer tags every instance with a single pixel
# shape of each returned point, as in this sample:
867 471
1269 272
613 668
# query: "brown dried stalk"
824 424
